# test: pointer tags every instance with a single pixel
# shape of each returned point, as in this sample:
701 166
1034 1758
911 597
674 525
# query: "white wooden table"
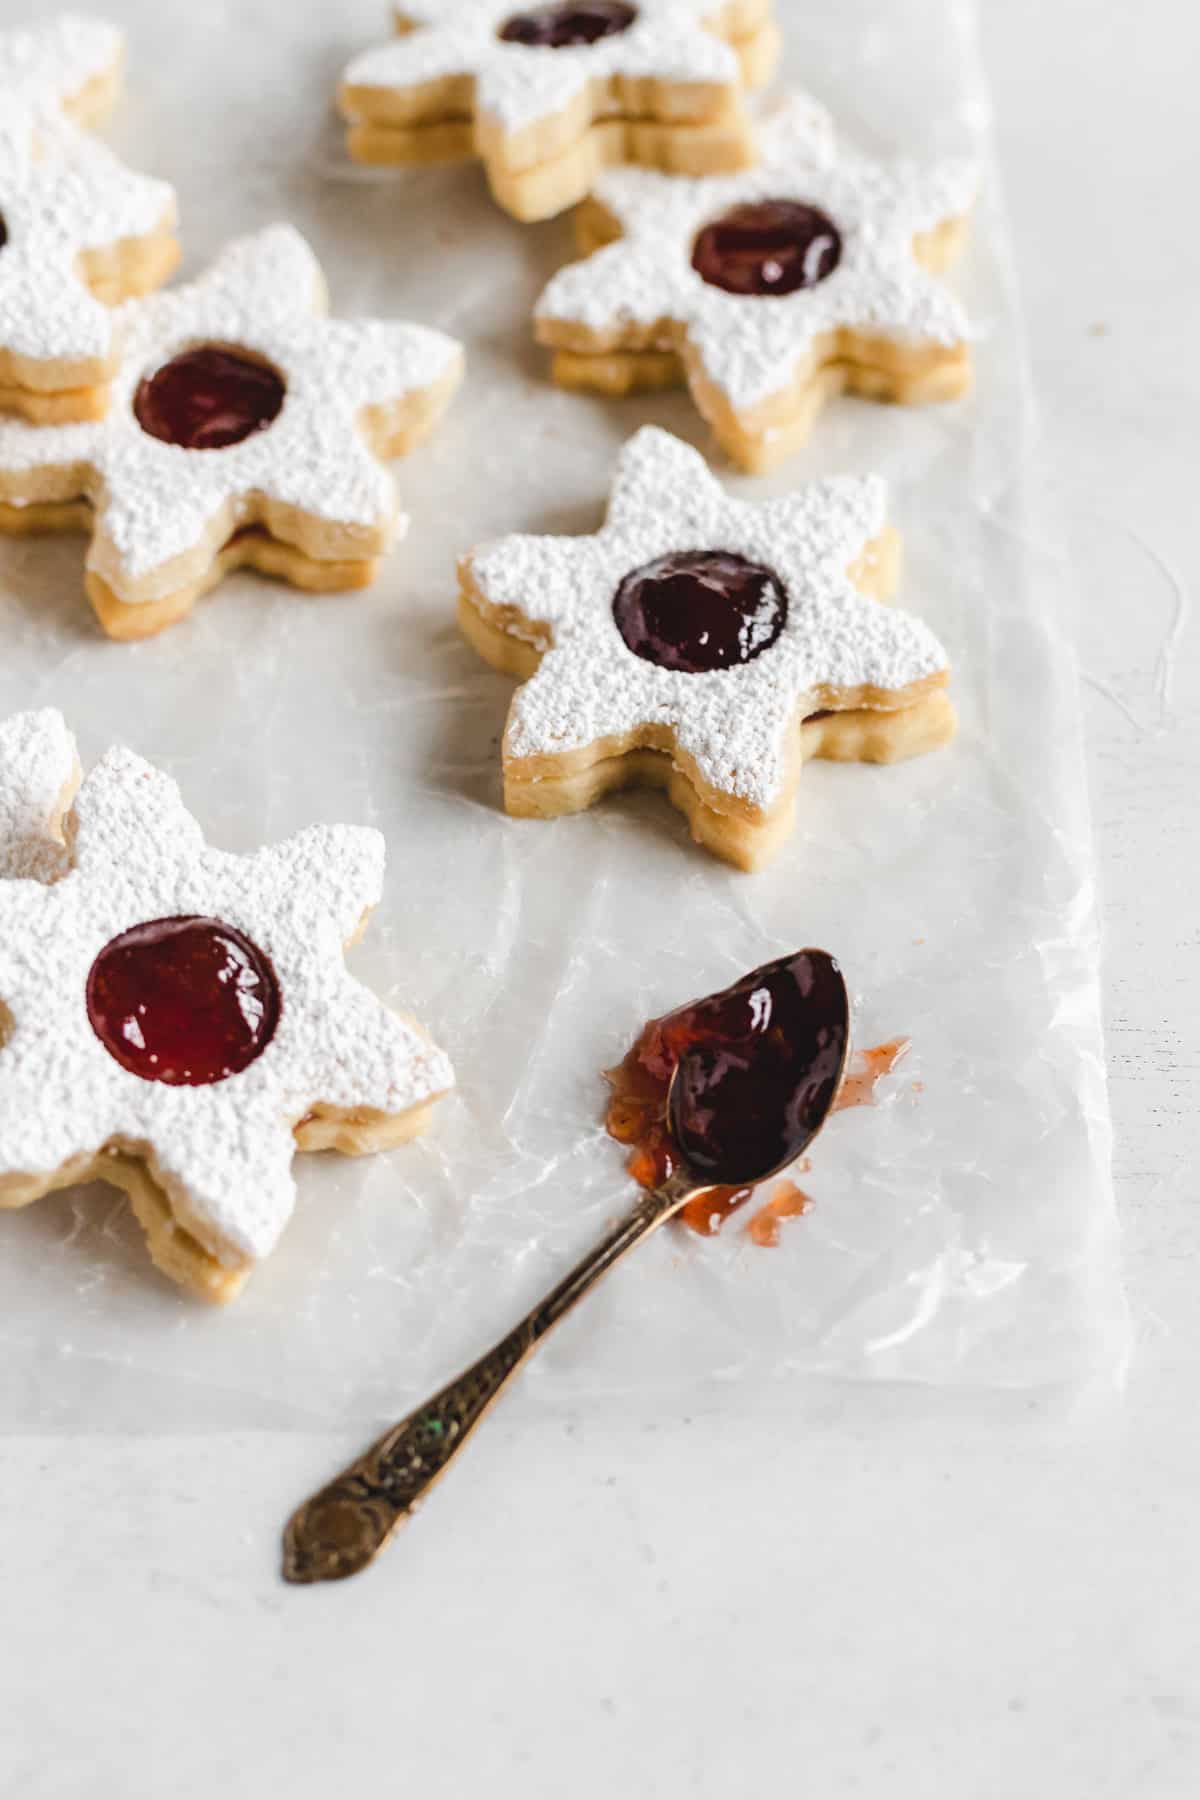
902 1596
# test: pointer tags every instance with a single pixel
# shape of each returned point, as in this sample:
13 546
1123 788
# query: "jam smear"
572 23
209 398
699 610
768 247
186 1001
787 1202
866 1069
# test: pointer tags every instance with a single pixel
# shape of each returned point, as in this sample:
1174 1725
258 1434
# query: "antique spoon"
732 1123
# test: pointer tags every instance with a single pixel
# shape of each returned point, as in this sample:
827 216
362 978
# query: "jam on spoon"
754 1072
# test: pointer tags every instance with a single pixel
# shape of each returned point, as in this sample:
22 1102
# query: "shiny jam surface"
187 1001
699 610
574 22
768 247
637 1116
209 398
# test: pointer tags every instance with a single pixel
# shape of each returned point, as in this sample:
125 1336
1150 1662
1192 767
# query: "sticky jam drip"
637 1110
563 27
768 247
209 398
699 610
186 1001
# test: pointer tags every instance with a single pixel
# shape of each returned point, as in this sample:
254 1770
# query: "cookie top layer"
749 345
38 771
736 724
45 67
222 1151
156 501
64 194
517 84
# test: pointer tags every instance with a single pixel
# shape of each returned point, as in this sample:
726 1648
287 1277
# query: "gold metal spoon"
348 1522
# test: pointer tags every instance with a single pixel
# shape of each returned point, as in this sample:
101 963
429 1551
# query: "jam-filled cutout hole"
209 398
768 248
187 1001
565 26
3 232
700 610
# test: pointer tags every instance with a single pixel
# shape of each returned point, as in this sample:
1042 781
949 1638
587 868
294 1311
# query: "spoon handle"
344 1527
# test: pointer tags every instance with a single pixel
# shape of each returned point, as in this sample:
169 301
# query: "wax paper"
961 1229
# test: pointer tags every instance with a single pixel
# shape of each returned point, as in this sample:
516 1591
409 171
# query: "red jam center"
186 1001
3 232
768 247
575 22
209 398
698 610
759 1069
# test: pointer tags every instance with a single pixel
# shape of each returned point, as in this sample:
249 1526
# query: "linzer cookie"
704 645
245 428
768 291
178 1021
78 231
548 94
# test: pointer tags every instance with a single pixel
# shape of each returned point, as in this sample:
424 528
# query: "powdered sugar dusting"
735 723
63 194
37 770
154 500
224 1151
46 66
750 346
517 84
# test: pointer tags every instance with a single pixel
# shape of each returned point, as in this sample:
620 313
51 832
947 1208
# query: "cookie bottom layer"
863 725
544 189
69 390
205 1269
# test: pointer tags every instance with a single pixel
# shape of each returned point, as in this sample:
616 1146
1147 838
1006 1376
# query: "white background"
897 1595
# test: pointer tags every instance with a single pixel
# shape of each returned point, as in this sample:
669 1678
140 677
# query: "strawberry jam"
699 610
209 398
186 1001
759 1066
3 232
563 27
768 247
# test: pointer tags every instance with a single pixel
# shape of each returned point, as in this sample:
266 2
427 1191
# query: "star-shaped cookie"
767 291
547 94
705 645
179 1021
79 232
245 428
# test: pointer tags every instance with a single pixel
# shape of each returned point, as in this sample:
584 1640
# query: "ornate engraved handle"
345 1526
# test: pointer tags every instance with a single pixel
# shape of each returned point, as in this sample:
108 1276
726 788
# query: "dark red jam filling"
768 247
3 232
759 1069
209 398
186 1001
698 610
575 22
